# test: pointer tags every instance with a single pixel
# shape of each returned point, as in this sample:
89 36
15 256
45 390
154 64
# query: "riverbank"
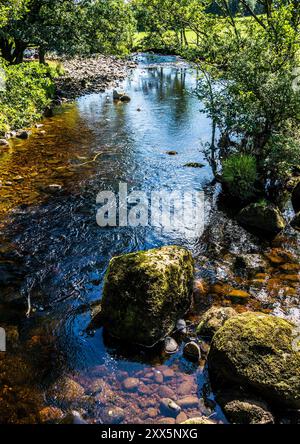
91 75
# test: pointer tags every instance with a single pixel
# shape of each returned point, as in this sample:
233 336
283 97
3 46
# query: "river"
54 255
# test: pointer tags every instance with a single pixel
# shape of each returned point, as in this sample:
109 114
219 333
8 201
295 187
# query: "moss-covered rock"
262 218
213 320
145 293
258 352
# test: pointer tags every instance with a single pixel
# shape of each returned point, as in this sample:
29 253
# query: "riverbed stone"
50 415
66 390
131 384
169 407
170 345
188 402
258 352
192 352
213 320
145 293
198 420
263 218
247 411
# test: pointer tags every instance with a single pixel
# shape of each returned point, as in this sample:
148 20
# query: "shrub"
240 175
28 91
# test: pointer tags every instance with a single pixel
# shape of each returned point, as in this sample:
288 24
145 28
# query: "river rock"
170 345
118 95
66 390
73 418
131 384
296 222
50 415
192 352
181 327
248 412
4 142
213 320
263 218
151 290
258 352
113 415
23 134
188 402
169 407
199 420
296 198
166 392
125 98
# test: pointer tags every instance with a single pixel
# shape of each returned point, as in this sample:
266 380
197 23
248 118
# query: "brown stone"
131 384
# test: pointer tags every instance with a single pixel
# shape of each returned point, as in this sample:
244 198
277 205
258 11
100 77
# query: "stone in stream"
194 165
4 142
169 407
199 420
73 418
146 292
260 353
131 384
264 218
181 327
23 134
125 98
247 411
170 345
117 95
213 320
192 352
172 153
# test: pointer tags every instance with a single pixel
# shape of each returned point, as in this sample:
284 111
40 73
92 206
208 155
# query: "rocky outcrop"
145 293
263 218
258 352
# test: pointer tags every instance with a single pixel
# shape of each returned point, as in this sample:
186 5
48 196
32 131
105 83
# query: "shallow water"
54 255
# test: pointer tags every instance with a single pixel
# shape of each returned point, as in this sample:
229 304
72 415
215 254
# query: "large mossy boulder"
258 352
145 293
263 218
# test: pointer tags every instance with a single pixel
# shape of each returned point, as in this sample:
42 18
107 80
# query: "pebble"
131 384
158 377
169 407
166 392
192 352
188 402
170 345
181 326
181 418
185 388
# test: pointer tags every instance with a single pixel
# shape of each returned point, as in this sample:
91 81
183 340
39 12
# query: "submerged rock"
192 352
248 412
194 165
125 98
169 407
146 292
213 320
199 420
258 352
264 218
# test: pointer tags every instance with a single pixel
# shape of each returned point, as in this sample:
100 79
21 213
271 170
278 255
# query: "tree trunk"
42 55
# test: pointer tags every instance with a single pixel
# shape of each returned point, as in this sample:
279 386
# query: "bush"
240 176
28 91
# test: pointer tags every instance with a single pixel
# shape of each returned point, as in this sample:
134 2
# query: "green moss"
146 292
256 351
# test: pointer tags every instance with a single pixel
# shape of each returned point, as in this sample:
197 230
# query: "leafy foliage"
29 88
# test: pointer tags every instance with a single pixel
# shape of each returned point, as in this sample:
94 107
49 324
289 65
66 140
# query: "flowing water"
54 255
